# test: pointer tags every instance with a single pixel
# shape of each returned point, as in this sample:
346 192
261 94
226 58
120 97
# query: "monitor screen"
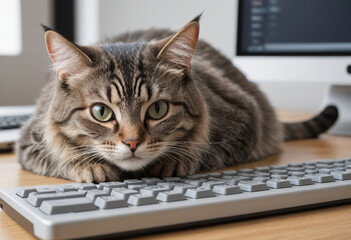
294 27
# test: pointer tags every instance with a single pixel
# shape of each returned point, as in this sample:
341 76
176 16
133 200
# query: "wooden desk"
327 223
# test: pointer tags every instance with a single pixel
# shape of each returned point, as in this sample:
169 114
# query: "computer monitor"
299 41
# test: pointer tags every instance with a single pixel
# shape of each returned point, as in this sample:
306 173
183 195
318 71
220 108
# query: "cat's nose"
132 143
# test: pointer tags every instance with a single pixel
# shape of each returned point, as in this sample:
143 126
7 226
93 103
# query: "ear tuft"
46 28
67 58
180 48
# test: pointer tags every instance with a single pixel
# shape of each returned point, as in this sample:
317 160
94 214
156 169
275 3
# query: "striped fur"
215 116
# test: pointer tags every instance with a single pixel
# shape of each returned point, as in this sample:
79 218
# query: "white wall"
217 28
23 76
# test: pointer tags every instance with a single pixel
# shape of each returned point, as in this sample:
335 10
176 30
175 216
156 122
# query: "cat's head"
126 103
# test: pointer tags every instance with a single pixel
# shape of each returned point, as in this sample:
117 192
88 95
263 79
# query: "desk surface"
326 223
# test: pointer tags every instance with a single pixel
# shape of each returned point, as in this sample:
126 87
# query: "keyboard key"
45 190
137 187
24 192
296 169
325 170
93 194
183 187
170 196
321 178
141 199
300 181
86 186
262 169
226 189
154 190
211 184
108 202
170 185
35 199
279 176
199 192
262 174
173 179
279 171
282 166
260 179
196 183
110 185
65 188
295 165
151 181
67 206
245 170
311 171
250 186
297 174
341 175
215 174
230 173
123 193
278 183
133 182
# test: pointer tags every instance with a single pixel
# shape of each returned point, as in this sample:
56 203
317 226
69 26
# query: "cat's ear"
67 58
180 48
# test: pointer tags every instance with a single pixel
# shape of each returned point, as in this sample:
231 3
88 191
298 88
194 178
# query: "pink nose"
132 143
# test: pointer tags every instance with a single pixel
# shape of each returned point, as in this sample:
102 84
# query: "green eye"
102 113
158 110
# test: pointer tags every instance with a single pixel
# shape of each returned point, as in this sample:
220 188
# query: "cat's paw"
95 172
168 169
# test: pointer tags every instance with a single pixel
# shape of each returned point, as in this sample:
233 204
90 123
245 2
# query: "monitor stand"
340 96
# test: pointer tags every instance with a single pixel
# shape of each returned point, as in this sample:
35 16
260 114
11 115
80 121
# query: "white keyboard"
135 206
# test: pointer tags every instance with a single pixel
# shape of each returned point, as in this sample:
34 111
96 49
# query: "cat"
150 104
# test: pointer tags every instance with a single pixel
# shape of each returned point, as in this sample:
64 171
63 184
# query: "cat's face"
127 103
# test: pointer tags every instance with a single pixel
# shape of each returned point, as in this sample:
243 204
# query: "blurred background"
24 64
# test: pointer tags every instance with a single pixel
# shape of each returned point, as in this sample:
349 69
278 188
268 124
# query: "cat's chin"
133 163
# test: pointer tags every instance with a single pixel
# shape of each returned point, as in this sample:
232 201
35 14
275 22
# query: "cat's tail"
312 127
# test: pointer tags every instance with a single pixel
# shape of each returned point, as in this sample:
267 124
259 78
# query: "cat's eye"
102 113
158 110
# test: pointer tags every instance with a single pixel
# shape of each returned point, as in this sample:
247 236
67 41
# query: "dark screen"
293 27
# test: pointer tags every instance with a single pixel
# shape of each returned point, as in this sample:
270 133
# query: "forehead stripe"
114 76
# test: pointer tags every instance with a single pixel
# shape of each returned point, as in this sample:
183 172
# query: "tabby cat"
150 103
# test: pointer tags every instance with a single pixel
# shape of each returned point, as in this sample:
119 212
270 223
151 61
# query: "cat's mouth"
132 158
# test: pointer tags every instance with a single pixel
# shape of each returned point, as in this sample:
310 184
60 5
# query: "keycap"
154 190
170 196
279 176
226 189
234 180
325 170
137 187
260 179
35 199
110 185
341 175
151 181
215 174
172 179
196 176
311 171
230 173
133 182
67 206
45 190
250 186
279 171
211 184
108 202
24 192
245 170
65 188
183 187
123 193
262 169
295 165
296 169
299 181
278 183
321 178
170 185
196 183
282 166
86 186
262 174
199 192
141 199
93 194
297 174
325 161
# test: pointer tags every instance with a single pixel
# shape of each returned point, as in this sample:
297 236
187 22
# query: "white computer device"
298 41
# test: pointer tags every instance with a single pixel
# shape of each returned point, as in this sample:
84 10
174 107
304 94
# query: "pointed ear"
180 48
67 58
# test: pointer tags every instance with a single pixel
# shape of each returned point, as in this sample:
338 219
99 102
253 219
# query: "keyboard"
12 122
139 206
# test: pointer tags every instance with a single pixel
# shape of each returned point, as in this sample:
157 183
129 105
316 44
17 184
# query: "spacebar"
67 205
